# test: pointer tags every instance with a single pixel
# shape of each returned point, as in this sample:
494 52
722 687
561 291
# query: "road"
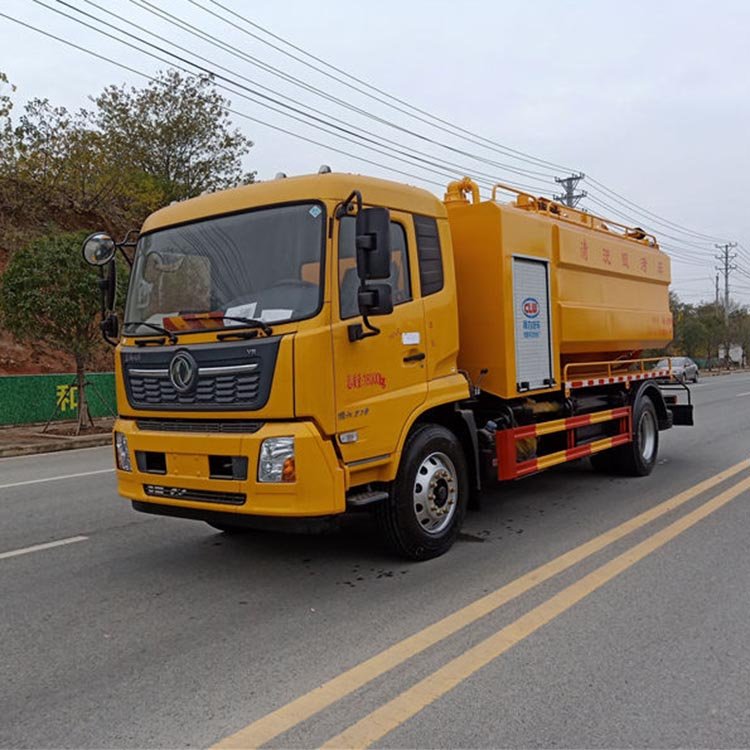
564 617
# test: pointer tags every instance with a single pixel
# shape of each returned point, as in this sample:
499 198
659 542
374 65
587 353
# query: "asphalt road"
139 631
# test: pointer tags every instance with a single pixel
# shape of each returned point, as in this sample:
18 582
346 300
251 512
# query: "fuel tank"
541 285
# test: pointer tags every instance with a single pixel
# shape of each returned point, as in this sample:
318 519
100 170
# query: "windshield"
260 265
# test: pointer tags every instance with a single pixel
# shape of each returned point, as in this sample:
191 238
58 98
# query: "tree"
739 327
110 167
48 295
174 135
712 319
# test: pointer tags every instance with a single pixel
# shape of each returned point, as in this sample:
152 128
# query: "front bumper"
185 482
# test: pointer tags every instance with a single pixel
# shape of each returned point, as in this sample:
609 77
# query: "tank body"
540 286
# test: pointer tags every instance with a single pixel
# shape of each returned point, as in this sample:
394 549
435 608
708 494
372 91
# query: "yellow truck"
297 349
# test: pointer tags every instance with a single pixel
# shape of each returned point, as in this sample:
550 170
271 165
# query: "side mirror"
108 284
375 299
98 249
373 243
110 327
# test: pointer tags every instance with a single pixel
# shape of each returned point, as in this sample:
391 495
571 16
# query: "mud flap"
682 414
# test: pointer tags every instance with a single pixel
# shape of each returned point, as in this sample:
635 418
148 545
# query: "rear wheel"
426 505
638 457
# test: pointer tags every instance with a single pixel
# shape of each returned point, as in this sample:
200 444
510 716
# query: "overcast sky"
649 98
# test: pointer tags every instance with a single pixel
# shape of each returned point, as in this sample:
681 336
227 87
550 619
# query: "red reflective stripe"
579 452
572 422
507 455
527 467
526 431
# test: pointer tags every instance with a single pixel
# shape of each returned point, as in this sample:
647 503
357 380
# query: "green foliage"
108 168
174 135
48 295
700 331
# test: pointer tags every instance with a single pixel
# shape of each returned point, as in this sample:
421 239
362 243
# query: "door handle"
415 357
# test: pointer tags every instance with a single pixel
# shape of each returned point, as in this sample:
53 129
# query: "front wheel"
426 504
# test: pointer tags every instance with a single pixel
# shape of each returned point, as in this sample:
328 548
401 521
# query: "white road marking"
746 393
54 479
39 547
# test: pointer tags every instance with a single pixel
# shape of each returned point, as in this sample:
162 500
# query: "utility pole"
725 259
717 292
570 197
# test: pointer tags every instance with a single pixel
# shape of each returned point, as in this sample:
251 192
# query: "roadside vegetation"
65 174
702 333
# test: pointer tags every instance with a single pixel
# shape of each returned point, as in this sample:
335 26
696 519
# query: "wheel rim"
435 493
647 436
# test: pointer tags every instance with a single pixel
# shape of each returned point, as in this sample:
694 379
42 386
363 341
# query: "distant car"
683 368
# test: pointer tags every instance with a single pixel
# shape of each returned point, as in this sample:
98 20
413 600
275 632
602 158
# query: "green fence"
33 398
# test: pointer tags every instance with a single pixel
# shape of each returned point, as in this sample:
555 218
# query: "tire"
421 519
638 458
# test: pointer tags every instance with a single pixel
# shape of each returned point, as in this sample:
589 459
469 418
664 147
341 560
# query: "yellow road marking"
284 718
406 705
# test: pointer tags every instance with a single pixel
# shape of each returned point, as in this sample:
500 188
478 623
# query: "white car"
683 368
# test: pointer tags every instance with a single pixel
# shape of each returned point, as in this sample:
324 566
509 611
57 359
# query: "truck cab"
250 386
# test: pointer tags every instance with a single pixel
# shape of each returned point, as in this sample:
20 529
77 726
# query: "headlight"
122 454
276 460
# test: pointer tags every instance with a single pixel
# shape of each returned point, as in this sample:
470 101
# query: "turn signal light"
289 471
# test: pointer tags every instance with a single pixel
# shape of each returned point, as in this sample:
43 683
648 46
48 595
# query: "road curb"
87 441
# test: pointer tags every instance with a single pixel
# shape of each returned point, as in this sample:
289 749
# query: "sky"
650 100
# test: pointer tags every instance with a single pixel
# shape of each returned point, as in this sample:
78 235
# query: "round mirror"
98 249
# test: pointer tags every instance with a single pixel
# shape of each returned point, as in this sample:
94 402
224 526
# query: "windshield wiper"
159 329
253 323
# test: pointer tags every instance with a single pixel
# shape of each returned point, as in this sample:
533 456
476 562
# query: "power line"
228 109
702 248
505 149
655 217
685 255
330 129
414 156
273 70
408 108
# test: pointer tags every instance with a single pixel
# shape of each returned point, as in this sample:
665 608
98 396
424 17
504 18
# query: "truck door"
382 379
532 324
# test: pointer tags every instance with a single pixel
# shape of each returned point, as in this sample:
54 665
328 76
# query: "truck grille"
202 425
225 376
221 389
203 496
